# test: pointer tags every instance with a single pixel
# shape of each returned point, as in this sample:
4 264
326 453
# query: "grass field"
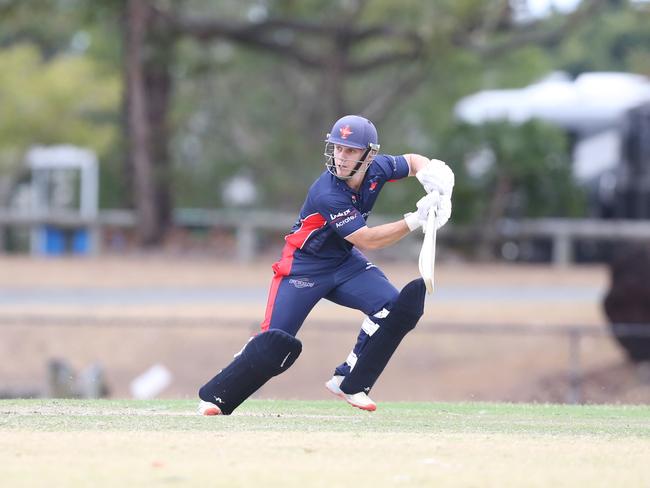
322 444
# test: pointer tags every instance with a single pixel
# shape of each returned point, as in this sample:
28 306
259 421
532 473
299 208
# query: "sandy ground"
192 314
381 459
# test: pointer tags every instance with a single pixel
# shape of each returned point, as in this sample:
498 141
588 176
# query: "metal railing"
248 224
563 232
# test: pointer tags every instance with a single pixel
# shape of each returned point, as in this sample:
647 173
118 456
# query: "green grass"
304 444
328 416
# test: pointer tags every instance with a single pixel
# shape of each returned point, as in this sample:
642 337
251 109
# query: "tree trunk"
139 129
158 84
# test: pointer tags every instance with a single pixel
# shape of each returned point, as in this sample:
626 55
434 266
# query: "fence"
247 226
573 335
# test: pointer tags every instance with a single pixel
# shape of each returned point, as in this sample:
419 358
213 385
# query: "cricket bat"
427 261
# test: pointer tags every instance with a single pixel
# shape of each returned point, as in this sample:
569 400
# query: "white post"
89 201
562 250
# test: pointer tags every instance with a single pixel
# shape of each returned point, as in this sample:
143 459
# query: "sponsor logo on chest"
347 219
340 214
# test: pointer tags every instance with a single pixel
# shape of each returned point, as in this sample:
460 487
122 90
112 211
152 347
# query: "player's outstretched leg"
384 339
266 355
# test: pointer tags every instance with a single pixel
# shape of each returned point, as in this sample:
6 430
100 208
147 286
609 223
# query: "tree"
66 99
72 79
354 44
364 56
617 42
147 97
516 171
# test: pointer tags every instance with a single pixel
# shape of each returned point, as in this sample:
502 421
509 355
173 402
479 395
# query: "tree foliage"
512 170
617 41
66 99
465 46
253 86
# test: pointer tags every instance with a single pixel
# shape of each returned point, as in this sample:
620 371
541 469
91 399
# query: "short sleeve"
393 167
340 214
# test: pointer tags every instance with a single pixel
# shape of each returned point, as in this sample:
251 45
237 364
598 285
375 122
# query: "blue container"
53 241
80 241
56 241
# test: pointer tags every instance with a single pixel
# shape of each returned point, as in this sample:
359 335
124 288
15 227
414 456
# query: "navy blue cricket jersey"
332 211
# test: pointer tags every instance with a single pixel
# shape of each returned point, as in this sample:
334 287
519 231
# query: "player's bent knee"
273 351
407 309
266 355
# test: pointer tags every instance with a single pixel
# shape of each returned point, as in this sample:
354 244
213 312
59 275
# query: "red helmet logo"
345 131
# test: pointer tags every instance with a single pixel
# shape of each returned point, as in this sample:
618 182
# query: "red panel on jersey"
282 268
308 225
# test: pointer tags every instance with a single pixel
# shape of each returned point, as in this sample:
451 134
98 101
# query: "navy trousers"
297 287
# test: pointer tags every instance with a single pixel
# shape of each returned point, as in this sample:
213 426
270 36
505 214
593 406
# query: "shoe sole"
341 395
367 408
211 411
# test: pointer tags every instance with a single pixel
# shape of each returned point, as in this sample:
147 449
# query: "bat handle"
431 218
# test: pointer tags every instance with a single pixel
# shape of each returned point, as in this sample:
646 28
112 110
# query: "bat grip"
433 213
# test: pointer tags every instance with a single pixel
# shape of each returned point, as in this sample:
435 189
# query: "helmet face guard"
360 166
355 132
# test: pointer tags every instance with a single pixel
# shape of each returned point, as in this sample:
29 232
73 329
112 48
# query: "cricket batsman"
321 259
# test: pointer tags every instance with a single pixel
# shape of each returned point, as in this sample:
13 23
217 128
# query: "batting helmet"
352 131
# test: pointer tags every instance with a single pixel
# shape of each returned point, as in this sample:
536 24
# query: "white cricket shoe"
207 408
334 383
359 400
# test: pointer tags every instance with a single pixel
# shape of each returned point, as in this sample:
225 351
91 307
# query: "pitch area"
322 444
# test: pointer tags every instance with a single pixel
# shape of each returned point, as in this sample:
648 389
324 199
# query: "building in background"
63 200
607 115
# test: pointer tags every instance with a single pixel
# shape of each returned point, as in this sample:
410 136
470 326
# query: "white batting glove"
418 219
437 176
431 202
443 212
